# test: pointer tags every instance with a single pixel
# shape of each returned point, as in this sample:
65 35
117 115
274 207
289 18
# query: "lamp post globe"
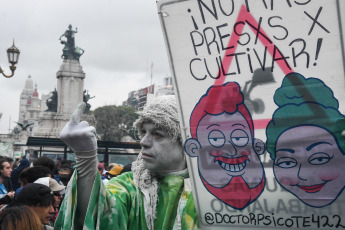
13 56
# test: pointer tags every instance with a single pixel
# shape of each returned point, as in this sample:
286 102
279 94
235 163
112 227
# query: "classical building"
30 108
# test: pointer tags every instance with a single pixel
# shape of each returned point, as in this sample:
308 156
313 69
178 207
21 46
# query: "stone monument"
69 92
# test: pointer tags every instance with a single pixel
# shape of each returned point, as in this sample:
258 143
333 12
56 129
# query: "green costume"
115 206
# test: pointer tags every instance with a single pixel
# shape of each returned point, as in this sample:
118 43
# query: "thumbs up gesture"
79 135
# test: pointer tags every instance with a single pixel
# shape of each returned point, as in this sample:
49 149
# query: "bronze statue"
70 51
24 126
86 98
52 102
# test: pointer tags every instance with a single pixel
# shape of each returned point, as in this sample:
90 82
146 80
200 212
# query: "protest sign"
260 86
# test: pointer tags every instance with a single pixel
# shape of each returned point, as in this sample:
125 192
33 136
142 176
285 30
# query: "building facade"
138 98
30 108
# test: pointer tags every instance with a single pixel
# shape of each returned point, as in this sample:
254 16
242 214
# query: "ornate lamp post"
13 56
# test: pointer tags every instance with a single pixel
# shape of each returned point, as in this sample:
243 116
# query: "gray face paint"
160 153
162 112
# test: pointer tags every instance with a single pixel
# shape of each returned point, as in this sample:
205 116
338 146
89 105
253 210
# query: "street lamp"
13 56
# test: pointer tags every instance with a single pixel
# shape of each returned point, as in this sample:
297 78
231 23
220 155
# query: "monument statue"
52 102
86 98
70 51
69 92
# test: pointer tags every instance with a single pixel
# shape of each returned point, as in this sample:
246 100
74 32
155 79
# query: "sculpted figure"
52 102
70 50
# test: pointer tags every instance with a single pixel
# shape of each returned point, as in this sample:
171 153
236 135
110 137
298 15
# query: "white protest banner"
260 86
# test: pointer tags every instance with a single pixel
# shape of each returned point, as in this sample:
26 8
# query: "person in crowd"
30 175
58 190
6 192
37 172
49 163
22 181
111 165
130 201
16 163
57 166
40 199
65 173
15 173
7 181
45 161
19 217
10 161
102 172
58 197
126 168
114 172
100 167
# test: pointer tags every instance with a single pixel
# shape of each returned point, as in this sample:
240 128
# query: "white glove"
82 139
79 135
343 133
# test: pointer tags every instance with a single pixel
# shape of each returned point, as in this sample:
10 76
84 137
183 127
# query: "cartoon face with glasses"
223 141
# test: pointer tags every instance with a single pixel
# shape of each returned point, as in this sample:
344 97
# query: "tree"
113 122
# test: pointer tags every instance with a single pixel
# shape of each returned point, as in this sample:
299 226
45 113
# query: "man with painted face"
155 195
223 141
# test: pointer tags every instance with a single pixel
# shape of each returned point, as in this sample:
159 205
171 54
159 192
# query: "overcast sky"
120 38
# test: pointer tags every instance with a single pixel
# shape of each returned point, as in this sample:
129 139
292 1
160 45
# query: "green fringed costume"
115 206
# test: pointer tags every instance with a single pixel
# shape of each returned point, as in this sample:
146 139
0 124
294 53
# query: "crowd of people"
31 192
35 185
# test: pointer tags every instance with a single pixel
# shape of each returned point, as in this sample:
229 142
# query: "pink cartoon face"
310 165
228 160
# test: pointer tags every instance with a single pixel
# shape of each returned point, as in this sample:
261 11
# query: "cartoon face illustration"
305 142
310 165
228 161
227 150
